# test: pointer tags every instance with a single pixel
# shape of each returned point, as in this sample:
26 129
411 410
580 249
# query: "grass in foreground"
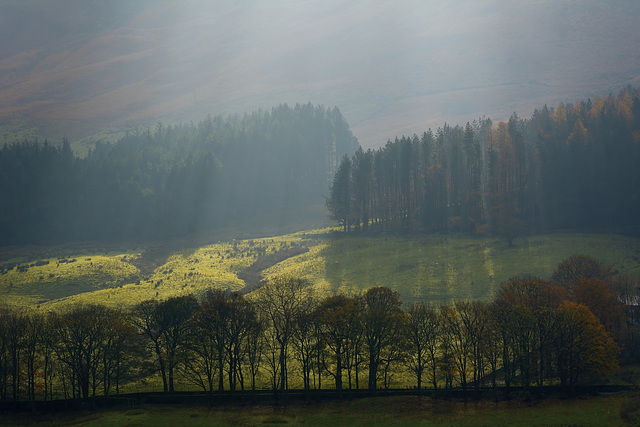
383 411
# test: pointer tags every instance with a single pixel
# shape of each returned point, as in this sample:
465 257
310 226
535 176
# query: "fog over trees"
566 167
269 167
339 322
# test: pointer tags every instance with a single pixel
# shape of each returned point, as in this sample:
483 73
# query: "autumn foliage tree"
581 344
591 283
575 268
535 332
544 333
572 166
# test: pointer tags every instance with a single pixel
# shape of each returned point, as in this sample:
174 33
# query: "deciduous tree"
382 325
582 345
423 328
282 300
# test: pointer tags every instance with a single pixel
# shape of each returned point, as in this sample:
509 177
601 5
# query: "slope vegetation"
394 68
436 268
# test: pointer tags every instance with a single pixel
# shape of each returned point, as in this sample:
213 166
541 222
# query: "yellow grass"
422 267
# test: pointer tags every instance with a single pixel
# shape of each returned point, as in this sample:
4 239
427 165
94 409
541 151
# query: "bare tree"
422 328
281 301
337 316
382 323
80 336
166 324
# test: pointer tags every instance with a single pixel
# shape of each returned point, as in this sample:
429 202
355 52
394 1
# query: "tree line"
572 329
170 181
568 167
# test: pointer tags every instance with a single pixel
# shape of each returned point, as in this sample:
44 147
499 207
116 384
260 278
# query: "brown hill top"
75 67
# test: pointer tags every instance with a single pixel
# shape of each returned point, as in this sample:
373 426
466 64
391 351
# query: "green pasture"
442 268
192 270
616 410
53 278
438 268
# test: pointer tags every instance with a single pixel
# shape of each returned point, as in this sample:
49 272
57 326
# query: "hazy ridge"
75 68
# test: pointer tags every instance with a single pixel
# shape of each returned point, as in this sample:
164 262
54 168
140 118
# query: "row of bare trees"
535 332
87 350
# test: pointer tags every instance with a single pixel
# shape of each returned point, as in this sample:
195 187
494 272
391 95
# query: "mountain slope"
75 67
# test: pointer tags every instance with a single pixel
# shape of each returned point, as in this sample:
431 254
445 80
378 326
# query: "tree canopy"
173 180
572 166
533 333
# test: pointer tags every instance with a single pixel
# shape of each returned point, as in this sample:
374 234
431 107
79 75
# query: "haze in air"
392 68
435 198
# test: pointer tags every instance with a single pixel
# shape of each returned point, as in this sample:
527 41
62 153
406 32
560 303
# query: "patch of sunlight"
488 261
309 265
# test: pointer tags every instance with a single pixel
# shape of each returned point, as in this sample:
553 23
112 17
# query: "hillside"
267 168
79 67
435 268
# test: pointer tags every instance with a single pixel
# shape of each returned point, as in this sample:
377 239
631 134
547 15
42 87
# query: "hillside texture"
77 67
435 268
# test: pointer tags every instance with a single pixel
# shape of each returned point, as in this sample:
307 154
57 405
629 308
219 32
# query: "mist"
392 68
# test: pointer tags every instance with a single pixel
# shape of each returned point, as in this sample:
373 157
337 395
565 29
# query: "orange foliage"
624 105
579 133
531 292
597 107
560 115
583 344
571 270
599 296
481 228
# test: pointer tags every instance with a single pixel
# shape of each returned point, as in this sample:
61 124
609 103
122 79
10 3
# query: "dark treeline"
574 166
173 180
572 329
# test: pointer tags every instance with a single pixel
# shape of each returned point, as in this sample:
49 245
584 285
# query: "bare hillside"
76 67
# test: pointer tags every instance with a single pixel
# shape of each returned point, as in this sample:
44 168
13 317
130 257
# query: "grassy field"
437 268
442 268
616 410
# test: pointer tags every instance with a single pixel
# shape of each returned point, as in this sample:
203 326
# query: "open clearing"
437 268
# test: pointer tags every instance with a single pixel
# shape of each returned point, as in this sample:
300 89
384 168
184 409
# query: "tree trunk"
373 371
163 371
339 373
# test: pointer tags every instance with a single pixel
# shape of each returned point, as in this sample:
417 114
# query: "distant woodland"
569 167
173 180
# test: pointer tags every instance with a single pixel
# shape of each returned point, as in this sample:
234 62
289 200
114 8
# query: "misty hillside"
75 67
268 168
